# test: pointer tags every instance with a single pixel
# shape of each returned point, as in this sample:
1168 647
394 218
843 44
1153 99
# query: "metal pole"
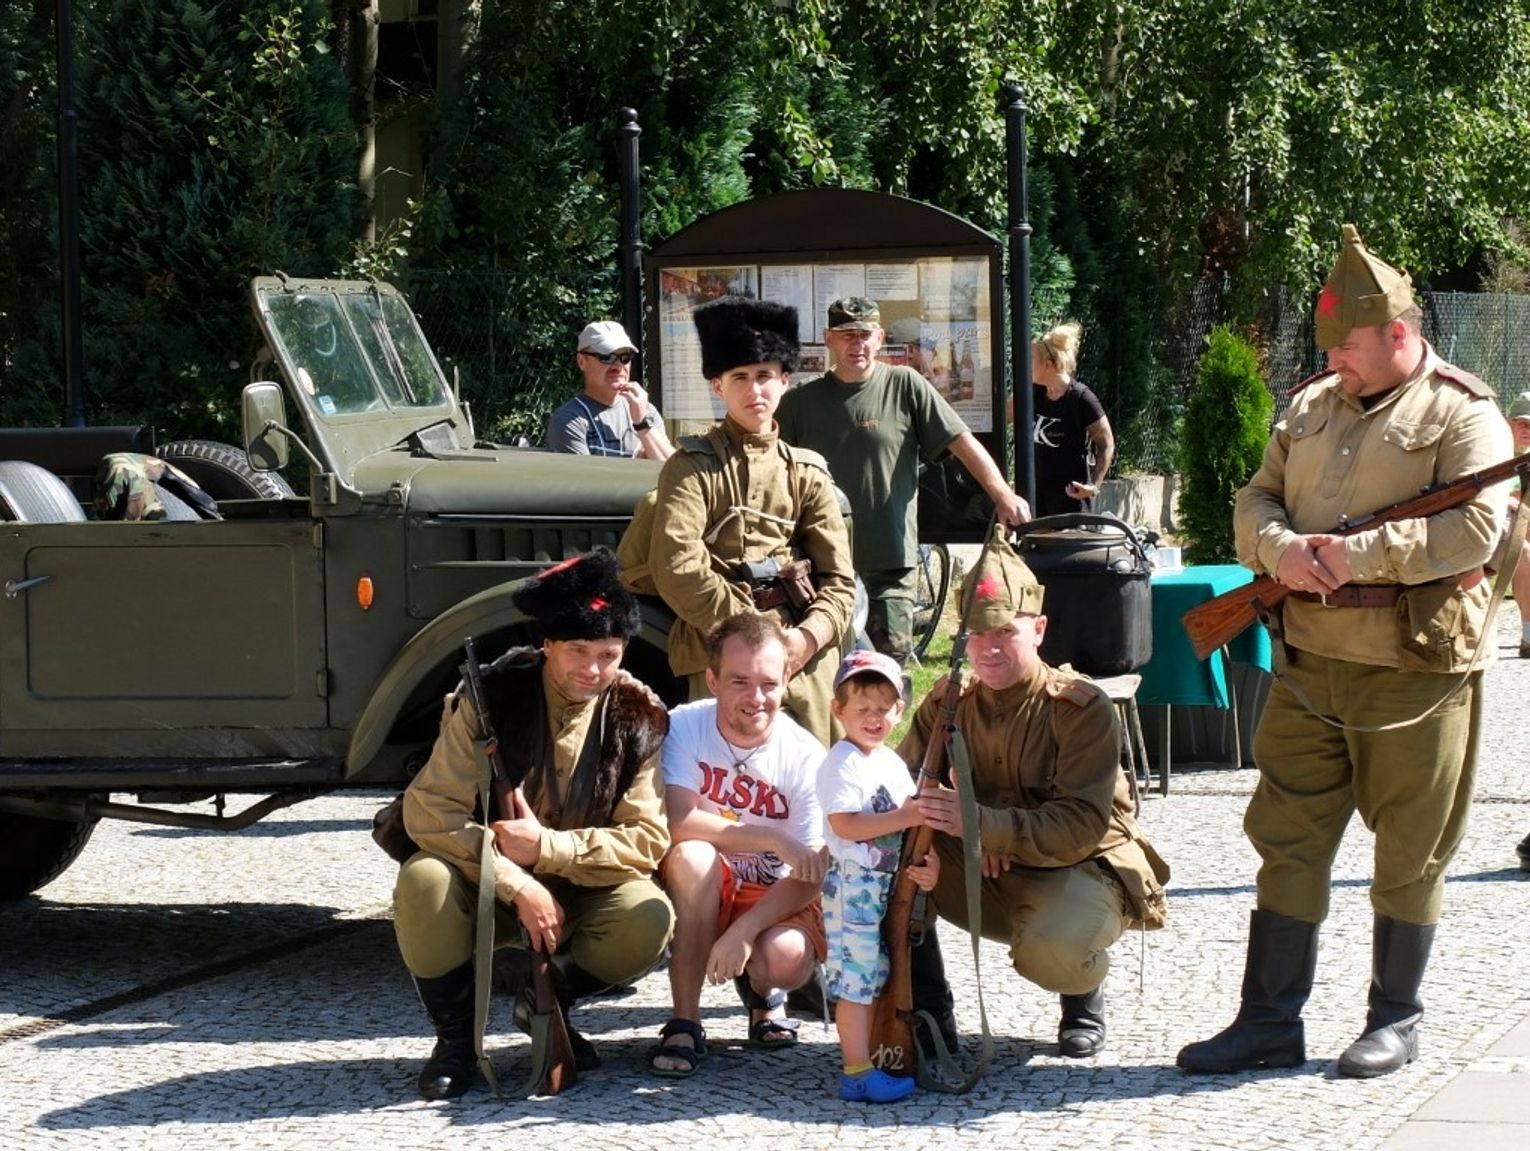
631 246
69 224
1020 290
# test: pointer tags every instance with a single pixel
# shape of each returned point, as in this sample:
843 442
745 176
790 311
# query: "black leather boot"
1277 978
1082 1030
1399 954
452 1065
927 981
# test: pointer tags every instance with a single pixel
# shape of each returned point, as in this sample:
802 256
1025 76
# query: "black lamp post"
1020 289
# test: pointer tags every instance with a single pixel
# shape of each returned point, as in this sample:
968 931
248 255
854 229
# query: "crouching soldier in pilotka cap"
741 521
574 870
1064 868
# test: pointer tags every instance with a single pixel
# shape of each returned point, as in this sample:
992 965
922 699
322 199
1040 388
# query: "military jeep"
298 644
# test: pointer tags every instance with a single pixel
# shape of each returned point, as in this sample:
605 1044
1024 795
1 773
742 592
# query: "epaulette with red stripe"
1324 374
1463 380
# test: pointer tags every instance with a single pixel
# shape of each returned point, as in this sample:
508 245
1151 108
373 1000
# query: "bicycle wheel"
932 584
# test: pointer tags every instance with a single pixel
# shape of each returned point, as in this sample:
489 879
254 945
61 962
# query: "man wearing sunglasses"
612 416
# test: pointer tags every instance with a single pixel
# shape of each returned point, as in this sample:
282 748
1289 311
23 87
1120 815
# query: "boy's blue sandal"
876 1086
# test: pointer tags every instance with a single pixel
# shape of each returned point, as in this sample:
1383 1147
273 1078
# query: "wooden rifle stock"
1219 620
892 1020
552 1054
892 1017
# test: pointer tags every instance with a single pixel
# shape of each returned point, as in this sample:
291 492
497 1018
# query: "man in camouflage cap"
574 869
1380 627
1065 868
876 424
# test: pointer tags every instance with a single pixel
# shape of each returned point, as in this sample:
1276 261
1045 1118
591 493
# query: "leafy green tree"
1225 431
215 145
28 329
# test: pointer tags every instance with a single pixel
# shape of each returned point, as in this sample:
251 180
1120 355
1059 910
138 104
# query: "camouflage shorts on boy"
854 901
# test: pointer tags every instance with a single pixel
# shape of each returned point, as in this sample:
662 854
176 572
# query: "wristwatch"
643 424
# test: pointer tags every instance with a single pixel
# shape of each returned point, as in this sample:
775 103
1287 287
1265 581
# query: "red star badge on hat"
1328 301
989 587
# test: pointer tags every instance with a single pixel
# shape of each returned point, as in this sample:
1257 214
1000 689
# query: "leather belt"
1380 594
770 595
1356 595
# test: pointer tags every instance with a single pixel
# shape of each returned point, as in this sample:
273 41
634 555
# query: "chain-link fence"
516 369
1474 331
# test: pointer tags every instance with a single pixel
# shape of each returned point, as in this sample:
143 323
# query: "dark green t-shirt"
874 435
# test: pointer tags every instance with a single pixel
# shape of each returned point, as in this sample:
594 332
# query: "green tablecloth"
1174 676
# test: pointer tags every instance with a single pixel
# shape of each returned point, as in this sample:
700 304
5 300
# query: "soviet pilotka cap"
1001 589
580 598
1520 408
1362 291
854 314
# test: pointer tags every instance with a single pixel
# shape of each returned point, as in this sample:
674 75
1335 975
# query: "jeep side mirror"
263 412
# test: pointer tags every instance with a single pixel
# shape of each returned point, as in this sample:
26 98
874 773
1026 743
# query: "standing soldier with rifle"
1379 705
574 855
1064 868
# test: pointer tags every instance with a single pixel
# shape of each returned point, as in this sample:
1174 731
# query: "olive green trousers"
615 933
1058 922
1412 786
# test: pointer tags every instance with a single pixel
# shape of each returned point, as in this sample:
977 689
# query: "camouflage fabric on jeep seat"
130 486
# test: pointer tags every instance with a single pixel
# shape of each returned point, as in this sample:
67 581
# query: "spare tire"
30 494
223 471
35 851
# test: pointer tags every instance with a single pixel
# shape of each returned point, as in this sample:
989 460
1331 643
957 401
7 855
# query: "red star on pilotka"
1328 301
989 587
597 604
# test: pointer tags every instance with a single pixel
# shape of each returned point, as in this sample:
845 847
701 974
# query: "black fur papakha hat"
738 330
580 598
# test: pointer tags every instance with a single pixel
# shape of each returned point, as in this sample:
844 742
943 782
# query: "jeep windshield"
353 352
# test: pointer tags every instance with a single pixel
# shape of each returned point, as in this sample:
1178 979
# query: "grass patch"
936 664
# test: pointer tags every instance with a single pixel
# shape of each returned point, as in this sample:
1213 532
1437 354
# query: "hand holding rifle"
1318 564
552 1055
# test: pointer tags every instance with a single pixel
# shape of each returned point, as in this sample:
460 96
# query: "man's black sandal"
690 1056
770 1031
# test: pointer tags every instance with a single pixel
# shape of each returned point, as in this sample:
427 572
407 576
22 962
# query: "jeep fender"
439 644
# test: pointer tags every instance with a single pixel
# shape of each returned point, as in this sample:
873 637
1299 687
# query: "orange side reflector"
364 592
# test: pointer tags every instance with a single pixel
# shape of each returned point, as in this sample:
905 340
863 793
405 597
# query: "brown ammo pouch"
773 585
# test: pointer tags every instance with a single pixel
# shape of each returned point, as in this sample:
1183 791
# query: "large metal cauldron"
1099 606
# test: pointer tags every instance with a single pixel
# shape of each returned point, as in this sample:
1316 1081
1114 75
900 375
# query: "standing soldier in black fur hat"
743 522
574 871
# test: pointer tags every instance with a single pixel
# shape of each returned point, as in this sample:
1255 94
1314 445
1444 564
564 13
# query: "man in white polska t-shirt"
747 854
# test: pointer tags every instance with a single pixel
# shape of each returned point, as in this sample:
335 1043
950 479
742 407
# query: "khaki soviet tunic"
1046 772
439 808
745 499
1330 458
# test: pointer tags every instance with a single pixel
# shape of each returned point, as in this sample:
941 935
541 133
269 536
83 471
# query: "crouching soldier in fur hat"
574 870
741 521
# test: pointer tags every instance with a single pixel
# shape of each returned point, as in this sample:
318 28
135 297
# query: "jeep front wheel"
35 851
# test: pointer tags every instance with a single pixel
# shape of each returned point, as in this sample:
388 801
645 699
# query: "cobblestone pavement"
298 1027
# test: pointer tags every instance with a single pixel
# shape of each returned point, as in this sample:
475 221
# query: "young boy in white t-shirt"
867 795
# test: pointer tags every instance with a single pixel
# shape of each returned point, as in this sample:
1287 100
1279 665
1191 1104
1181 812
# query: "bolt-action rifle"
552 1055
1218 621
892 1021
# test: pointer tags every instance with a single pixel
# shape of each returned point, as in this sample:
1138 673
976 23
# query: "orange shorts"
738 898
